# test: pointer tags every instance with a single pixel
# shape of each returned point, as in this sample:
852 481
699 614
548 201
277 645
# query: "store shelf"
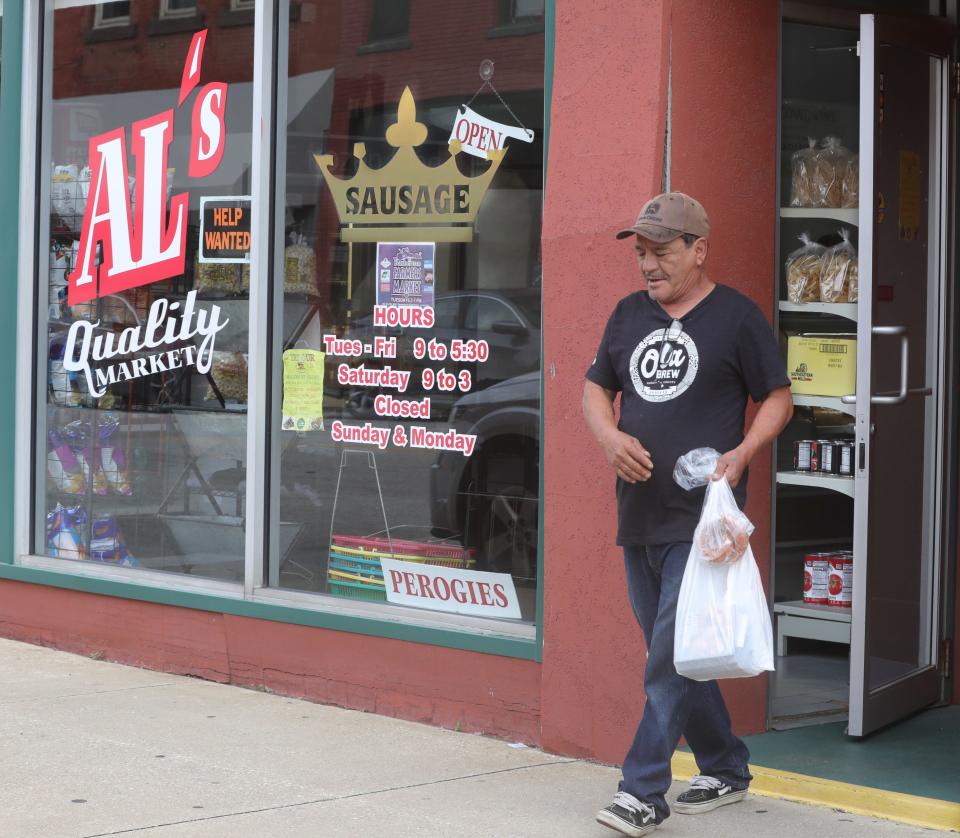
847 216
799 608
831 402
846 310
844 485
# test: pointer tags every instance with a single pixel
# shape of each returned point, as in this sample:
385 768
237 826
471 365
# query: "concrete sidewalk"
91 748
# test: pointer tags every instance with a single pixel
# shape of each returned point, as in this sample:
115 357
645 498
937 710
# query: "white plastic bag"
723 627
723 534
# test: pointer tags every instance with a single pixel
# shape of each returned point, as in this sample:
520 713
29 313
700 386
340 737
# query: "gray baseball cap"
667 217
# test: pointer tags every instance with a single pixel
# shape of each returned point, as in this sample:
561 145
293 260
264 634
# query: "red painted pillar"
606 158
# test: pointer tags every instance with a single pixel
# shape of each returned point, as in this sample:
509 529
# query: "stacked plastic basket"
354 568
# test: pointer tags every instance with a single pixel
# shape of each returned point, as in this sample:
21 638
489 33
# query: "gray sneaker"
706 793
628 815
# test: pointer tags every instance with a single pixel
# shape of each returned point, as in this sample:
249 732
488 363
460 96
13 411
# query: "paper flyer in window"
405 273
303 371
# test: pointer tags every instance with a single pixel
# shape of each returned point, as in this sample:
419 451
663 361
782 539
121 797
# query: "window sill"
109 33
174 25
386 45
510 30
508 639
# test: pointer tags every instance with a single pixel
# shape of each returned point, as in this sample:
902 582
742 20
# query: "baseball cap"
668 216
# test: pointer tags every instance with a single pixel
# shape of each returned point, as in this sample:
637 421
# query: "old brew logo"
664 364
406 199
145 241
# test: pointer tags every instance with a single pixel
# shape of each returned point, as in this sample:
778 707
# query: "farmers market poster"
405 273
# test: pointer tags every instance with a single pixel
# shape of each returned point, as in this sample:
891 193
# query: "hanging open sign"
478 135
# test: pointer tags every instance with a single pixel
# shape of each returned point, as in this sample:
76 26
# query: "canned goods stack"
824 456
828 578
840 581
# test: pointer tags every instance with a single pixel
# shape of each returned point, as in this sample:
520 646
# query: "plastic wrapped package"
829 170
112 458
215 277
723 534
694 468
107 543
299 268
64 468
801 189
839 273
803 268
63 538
851 183
229 371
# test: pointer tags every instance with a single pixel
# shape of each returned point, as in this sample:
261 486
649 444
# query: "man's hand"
731 465
629 458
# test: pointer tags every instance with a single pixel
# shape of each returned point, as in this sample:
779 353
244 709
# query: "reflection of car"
491 497
507 319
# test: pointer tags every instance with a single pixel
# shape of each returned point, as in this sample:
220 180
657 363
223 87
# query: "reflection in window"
522 11
112 14
390 19
177 8
142 379
357 494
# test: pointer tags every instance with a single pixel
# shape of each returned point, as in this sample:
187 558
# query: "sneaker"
706 793
628 815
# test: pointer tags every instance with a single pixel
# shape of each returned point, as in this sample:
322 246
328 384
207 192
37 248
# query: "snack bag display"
803 268
829 170
839 273
229 371
107 544
63 539
113 460
299 268
801 188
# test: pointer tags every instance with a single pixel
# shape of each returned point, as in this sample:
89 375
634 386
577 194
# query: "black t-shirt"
684 385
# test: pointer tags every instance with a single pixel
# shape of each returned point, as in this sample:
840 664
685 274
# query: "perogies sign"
147 242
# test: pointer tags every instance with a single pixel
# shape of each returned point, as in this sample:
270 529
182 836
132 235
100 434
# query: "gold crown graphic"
406 199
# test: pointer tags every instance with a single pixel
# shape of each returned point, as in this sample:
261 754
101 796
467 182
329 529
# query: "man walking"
684 355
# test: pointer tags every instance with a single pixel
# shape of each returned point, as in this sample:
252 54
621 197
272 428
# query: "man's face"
670 268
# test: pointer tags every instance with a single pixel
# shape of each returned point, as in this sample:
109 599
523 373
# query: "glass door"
900 393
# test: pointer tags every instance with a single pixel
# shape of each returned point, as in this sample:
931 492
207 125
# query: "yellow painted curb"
861 800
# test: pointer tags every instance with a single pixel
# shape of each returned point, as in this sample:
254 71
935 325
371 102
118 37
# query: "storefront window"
143 293
407 329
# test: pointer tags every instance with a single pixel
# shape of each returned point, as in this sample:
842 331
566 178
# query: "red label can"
840 581
816 570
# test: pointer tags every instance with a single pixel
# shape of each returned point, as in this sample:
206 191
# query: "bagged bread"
801 188
839 272
215 277
299 268
851 183
829 170
229 372
803 272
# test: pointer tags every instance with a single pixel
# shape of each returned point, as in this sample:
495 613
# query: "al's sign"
145 243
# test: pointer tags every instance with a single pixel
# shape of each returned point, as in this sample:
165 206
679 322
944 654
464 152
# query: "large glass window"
407 328
396 423
143 293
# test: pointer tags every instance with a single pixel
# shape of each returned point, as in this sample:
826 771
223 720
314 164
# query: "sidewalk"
91 748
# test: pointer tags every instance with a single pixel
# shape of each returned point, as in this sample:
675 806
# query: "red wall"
606 156
446 687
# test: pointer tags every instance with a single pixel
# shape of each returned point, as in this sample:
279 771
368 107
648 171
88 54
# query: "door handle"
900 397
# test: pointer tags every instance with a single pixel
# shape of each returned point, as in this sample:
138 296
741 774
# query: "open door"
900 400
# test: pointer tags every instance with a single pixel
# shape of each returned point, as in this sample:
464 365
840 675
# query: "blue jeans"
675 705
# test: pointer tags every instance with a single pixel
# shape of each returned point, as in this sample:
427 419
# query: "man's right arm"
629 458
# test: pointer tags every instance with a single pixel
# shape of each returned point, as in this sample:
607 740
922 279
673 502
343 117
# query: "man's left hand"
731 465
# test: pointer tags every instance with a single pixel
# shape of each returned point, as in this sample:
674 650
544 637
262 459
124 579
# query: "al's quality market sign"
146 245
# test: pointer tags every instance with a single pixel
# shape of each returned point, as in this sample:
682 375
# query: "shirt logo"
664 364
